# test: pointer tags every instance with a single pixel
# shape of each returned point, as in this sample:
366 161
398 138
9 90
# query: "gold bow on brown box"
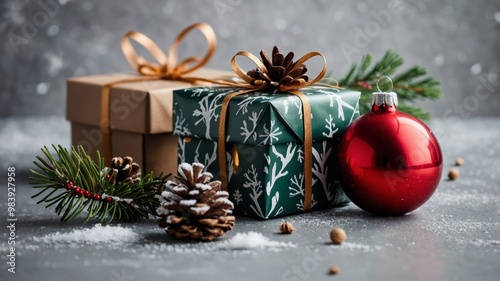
165 68
131 114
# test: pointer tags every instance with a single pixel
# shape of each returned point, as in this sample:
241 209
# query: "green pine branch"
75 183
410 85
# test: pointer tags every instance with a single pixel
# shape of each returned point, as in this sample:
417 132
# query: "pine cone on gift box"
279 71
194 206
124 170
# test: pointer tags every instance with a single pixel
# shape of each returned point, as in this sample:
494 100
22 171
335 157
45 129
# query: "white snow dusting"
357 246
98 234
252 240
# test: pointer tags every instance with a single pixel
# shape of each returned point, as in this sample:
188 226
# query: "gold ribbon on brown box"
166 68
279 74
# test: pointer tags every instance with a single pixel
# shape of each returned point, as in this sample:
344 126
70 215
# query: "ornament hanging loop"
381 98
387 78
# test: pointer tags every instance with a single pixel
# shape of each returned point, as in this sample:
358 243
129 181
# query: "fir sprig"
75 183
410 85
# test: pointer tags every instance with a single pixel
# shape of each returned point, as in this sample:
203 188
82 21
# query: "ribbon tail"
104 123
221 141
308 155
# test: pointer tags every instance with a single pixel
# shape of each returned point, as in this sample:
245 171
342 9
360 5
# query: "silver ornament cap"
384 98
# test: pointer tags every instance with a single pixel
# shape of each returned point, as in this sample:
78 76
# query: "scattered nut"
337 235
459 161
453 174
334 270
286 228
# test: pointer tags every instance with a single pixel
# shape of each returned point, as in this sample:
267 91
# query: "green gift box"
266 132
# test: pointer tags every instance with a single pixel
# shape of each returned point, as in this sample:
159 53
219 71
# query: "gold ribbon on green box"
251 84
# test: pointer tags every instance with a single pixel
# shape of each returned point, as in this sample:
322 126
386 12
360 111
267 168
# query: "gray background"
456 40
452 237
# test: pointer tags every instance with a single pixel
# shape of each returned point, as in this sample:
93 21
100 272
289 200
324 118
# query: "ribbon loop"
318 77
183 67
136 61
240 72
166 67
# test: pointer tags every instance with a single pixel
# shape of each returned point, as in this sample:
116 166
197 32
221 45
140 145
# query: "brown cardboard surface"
87 136
161 153
154 152
140 107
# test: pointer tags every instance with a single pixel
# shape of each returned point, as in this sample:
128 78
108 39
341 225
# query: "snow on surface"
98 234
252 240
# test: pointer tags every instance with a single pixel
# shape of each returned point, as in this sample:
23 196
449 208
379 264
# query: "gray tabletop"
454 236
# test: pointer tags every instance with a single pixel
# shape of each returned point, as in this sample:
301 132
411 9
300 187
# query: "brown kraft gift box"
140 117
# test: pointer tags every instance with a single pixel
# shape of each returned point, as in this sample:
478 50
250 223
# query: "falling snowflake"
55 63
237 196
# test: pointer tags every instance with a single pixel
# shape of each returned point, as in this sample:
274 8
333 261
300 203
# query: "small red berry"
96 196
109 199
87 194
364 85
78 191
69 185
108 176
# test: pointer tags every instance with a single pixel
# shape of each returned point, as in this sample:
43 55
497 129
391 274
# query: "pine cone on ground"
279 71
124 170
194 206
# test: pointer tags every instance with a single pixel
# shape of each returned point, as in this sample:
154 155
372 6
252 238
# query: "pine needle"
410 85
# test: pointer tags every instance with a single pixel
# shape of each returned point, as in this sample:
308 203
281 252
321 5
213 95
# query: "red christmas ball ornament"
390 161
